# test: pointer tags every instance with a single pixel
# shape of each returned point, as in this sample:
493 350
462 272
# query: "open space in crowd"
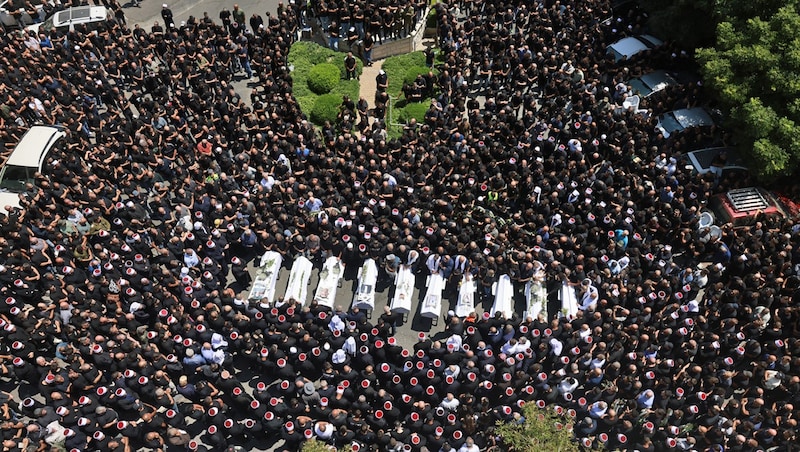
546 221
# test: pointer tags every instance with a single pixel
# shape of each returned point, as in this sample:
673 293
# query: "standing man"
352 39
255 22
369 44
166 14
333 36
350 66
225 17
239 17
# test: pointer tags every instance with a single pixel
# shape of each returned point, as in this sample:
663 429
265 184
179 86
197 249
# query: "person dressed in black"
166 14
350 66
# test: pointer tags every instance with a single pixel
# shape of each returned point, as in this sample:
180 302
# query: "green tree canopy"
690 23
538 430
754 71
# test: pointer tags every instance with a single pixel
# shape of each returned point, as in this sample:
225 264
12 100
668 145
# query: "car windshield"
639 86
669 123
13 178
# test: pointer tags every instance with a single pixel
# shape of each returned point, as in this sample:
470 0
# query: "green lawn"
404 69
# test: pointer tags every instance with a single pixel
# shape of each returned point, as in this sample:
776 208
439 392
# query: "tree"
538 430
754 71
690 23
314 445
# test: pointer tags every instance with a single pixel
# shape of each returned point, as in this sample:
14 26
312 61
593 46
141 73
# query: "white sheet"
364 297
503 297
266 278
297 287
466 296
536 297
404 283
332 271
432 303
569 301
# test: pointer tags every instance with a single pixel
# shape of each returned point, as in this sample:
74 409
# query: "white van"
66 20
25 161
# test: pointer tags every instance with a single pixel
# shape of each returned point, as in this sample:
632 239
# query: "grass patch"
397 67
402 68
305 55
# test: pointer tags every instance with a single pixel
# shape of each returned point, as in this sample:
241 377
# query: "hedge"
303 56
415 110
323 77
326 108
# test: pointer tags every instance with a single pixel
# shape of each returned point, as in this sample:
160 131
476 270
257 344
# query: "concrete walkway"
367 84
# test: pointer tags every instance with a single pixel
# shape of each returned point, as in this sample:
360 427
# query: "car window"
13 178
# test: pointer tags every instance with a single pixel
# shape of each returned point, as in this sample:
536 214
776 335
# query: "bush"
323 77
303 56
414 110
326 108
349 88
311 52
541 430
413 72
430 22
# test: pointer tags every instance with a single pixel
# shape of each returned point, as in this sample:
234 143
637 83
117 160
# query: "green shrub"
306 103
323 77
303 56
415 110
348 88
430 22
311 52
326 108
413 72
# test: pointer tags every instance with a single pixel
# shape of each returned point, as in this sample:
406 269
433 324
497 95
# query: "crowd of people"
124 271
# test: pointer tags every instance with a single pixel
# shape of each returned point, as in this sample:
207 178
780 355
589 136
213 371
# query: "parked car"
741 207
88 16
678 120
652 83
26 160
630 46
721 161
13 11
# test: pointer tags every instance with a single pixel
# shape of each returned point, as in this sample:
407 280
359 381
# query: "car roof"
655 79
652 82
634 44
702 158
79 14
693 117
34 146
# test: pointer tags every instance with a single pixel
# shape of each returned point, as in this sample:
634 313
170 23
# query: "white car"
67 19
25 161
678 120
625 48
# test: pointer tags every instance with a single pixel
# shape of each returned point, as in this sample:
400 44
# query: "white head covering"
557 346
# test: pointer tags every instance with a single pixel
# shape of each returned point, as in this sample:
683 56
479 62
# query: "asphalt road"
150 10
